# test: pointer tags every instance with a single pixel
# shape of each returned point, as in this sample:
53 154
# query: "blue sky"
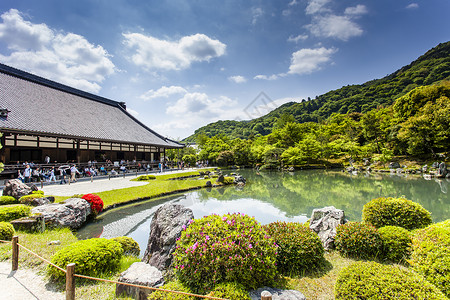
180 65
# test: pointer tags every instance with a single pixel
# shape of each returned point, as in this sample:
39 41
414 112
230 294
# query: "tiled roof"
38 105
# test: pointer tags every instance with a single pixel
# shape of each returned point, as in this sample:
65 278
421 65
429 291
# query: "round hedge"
13 212
6 231
229 248
371 280
146 177
92 257
129 245
230 290
396 243
430 255
5 200
401 212
358 240
172 286
299 248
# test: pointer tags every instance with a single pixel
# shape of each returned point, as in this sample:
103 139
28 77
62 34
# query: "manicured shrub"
396 212
396 243
430 255
146 177
129 245
92 257
28 198
95 201
358 240
299 248
229 248
6 231
231 291
40 192
371 280
172 286
6 200
12 212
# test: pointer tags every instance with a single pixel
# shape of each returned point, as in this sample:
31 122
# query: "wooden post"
109 176
92 178
123 174
15 253
266 295
136 172
69 180
70 282
42 184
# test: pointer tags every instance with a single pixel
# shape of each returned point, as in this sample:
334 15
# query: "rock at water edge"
72 213
324 222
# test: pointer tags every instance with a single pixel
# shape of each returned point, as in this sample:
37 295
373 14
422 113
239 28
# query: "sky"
179 65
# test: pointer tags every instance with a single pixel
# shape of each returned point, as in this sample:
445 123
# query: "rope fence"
70 274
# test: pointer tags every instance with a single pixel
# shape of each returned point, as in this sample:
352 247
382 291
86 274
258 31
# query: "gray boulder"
291 169
166 226
442 171
424 168
17 189
29 224
221 178
276 294
71 213
139 273
239 179
324 222
208 184
435 165
42 201
394 165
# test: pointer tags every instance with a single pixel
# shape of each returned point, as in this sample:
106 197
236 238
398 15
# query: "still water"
273 196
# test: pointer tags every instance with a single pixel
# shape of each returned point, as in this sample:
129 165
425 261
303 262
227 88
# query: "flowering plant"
228 248
95 201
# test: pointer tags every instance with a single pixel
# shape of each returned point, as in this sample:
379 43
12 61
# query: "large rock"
220 179
276 294
324 222
17 189
71 213
442 171
239 179
42 201
394 165
30 224
139 273
167 224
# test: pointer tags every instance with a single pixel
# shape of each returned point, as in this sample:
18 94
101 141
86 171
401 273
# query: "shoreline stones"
72 213
324 222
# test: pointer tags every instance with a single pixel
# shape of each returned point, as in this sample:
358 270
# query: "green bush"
231 291
371 280
28 198
172 286
92 257
299 248
6 231
12 212
396 243
6 200
129 245
229 248
358 240
396 212
146 177
40 192
430 255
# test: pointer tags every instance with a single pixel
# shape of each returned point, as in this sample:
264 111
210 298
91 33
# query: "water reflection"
280 196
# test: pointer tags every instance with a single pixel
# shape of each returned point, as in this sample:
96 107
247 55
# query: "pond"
272 196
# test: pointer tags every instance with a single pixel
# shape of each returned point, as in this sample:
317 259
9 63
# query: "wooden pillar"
15 253
2 150
70 282
78 152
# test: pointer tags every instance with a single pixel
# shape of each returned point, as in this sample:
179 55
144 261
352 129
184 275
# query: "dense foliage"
229 248
6 231
299 248
396 243
358 240
95 201
430 255
129 245
6 200
172 286
371 280
13 212
231 291
92 257
146 177
388 211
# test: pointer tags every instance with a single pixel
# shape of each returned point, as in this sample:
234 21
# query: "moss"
6 231
396 212
371 280
12 212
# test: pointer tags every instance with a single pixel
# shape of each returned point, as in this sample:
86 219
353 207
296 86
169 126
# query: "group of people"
28 174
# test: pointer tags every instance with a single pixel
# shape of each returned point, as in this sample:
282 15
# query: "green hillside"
432 67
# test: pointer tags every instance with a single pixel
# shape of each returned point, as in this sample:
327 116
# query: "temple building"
40 118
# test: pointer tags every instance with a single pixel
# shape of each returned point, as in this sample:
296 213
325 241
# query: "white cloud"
332 26
163 92
200 105
153 53
65 57
356 10
306 61
257 12
296 39
133 112
317 6
265 77
413 6
293 2
237 79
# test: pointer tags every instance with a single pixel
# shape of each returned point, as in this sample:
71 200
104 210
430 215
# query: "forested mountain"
432 67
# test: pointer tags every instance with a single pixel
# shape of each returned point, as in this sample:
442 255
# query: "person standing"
73 172
47 159
27 173
52 176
